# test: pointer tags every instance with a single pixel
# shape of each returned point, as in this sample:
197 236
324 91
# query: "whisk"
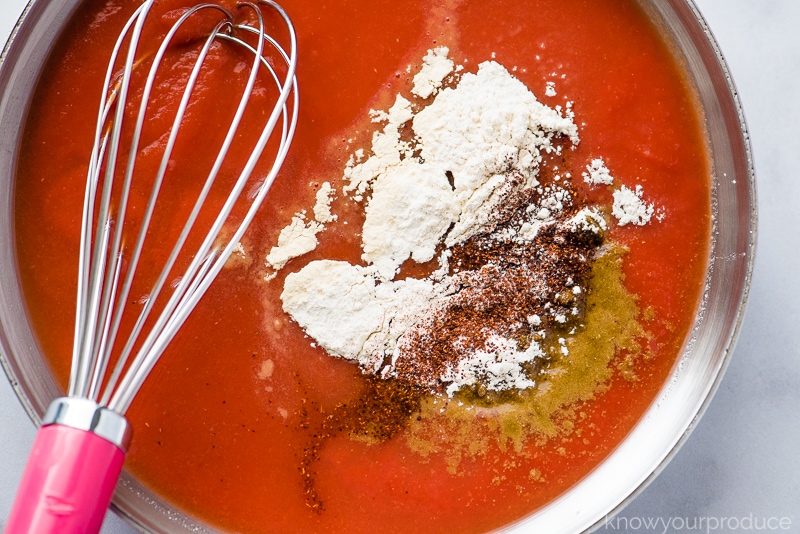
78 453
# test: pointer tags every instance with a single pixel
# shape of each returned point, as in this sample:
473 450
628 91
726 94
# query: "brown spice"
383 409
500 285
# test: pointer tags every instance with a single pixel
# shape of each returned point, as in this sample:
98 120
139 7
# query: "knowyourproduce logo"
665 525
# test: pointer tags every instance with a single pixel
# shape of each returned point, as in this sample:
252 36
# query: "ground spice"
384 408
502 285
524 420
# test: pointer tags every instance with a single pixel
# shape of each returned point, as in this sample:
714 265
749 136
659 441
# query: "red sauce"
225 445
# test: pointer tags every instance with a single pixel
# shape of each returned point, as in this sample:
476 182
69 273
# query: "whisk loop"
102 285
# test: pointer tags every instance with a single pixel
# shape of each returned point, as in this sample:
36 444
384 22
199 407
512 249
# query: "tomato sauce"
218 425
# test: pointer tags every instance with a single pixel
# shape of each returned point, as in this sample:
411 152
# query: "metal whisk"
79 451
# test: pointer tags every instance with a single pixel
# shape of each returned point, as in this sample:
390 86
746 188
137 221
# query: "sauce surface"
220 425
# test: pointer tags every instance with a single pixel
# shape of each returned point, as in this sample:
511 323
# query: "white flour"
299 237
473 146
352 316
386 147
414 200
629 207
435 67
296 239
497 368
322 208
597 173
483 131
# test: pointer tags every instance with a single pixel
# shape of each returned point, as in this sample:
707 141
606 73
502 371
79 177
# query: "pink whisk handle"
72 470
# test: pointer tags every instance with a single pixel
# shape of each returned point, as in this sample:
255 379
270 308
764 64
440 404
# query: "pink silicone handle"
67 484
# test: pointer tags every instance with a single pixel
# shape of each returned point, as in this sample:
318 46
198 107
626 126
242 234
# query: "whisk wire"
149 210
129 65
86 263
181 288
103 288
105 339
126 392
157 342
184 299
96 294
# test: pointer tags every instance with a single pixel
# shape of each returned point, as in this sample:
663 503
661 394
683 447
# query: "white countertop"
740 466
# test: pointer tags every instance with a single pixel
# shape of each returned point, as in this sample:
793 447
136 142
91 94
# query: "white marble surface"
741 461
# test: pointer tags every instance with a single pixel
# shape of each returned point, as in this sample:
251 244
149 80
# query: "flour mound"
351 316
630 208
447 179
415 201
